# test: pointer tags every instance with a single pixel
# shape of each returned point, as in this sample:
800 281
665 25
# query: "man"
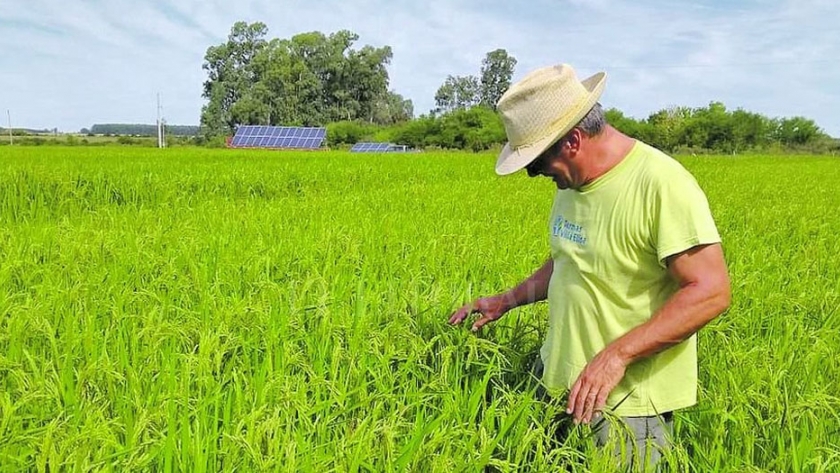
636 265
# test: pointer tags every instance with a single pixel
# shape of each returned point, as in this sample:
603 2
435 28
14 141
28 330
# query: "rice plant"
214 310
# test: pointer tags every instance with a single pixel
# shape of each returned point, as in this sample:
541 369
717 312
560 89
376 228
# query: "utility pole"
161 142
9 114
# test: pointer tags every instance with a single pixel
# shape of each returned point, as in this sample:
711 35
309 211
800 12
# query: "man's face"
554 163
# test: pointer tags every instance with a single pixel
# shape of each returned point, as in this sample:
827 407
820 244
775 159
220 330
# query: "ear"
573 141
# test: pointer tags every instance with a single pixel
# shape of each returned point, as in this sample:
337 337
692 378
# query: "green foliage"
717 130
211 141
349 132
418 132
475 129
126 140
496 72
384 135
392 108
796 131
463 92
310 79
458 92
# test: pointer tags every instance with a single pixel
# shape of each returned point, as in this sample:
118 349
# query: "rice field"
214 310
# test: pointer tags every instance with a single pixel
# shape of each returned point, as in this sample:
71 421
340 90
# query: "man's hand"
491 308
594 384
531 290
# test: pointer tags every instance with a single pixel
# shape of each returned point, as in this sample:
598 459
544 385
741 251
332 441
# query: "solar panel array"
295 137
376 148
370 147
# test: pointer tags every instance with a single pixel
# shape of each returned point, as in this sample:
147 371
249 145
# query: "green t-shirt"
609 242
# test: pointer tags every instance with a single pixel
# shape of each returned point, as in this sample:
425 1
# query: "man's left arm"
704 293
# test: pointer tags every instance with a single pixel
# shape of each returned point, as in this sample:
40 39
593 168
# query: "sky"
73 63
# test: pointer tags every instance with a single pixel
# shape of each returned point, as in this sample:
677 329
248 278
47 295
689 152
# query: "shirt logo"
568 230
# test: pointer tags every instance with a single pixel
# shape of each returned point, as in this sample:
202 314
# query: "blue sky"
70 64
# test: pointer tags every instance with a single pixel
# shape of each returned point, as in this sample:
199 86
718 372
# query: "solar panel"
294 137
376 148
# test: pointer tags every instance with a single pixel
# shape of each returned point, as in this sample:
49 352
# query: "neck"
604 152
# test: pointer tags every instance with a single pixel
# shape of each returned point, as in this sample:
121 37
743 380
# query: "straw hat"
541 108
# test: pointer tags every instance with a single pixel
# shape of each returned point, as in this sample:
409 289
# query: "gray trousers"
636 442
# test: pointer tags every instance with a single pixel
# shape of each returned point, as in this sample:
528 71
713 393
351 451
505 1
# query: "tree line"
715 129
313 79
132 129
681 130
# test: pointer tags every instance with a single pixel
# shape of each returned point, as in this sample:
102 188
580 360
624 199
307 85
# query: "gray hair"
594 122
591 125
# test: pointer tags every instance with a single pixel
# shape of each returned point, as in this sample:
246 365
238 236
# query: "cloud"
95 61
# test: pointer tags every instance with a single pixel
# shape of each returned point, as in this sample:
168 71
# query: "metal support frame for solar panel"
279 137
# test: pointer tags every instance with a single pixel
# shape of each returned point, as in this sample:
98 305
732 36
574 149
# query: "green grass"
206 310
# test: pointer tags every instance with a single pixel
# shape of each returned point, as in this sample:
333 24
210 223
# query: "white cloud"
72 64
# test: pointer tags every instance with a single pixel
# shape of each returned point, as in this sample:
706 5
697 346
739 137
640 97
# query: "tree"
458 92
463 92
496 72
797 131
392 108
230 71
317 79
666 126
252 107
416 133
622 123
293 91
749 130
366 79
310 79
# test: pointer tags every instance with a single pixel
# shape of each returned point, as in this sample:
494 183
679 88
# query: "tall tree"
230 74
458 92
392 108
310 79
496 73
366 80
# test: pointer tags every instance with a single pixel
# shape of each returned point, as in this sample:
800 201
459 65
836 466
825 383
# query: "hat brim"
511 160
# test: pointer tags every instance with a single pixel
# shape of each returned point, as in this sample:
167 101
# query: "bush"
476 129
212 142
349 132
419 133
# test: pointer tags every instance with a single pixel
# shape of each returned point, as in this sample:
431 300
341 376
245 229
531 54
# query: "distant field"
206 310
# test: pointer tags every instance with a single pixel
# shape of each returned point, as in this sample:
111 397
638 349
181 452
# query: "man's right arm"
533 289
